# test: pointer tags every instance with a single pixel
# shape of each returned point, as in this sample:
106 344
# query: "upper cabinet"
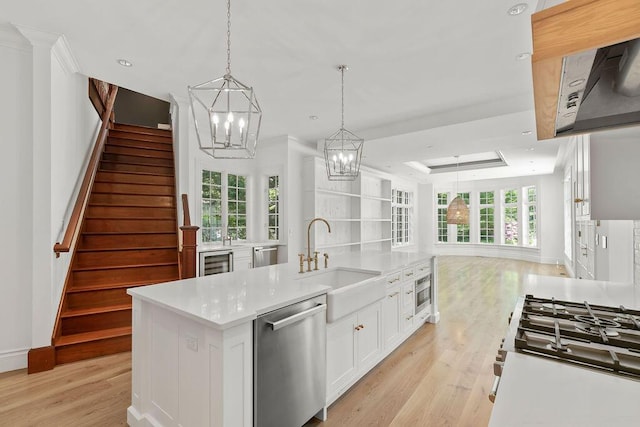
359 211
586 56
607 175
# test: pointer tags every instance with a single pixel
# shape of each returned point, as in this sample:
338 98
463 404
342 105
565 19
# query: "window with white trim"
463 234
487 217
273 208
401 217
531 222
224 206
510 215
443 203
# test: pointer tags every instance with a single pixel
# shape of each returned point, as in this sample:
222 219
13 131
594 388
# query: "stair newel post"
188 254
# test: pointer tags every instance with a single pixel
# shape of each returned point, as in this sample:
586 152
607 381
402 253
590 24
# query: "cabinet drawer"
407 320
393 278
408 297
421 317
408 273
423 268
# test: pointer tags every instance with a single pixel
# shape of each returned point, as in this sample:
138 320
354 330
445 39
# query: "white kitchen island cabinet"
354 345
193 343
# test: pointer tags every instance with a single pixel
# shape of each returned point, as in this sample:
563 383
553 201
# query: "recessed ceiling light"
125 63
429 146
522 56
526 132
576 82
530 149
313 117
517 9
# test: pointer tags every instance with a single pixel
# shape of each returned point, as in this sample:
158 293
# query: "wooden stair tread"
136 248
133 164
128 172
145 130
92 336
120 285
149 184
94 310
113 267
136 218
123 141
111 233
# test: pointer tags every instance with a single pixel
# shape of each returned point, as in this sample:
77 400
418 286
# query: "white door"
369 336
391 308
341 353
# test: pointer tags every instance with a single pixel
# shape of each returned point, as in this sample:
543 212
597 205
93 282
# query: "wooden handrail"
73 228
185 210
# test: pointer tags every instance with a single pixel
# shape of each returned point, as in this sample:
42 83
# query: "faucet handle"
326 260
301 262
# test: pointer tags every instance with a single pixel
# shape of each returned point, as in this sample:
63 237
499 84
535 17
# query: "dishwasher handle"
296 317
265 249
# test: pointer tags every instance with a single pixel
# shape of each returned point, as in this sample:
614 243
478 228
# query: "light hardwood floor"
440 376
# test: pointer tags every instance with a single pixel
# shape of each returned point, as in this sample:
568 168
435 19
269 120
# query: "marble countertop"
535 391
235 245
228 299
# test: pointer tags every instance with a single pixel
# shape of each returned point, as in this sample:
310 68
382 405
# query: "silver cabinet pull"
296 317
395 294
494 389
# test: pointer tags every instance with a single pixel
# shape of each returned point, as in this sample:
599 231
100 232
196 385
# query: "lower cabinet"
354 344
242 259
391 310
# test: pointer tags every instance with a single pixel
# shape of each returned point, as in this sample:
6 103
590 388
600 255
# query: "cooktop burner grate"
593 335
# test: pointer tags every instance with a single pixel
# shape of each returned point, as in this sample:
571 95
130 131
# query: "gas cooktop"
596 336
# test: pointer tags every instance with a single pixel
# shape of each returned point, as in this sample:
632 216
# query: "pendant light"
226 113
458 211
343 149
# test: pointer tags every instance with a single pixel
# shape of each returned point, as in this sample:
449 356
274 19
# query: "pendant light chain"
228 37
342 67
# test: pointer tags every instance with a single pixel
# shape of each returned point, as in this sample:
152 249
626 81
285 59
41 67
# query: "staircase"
128 238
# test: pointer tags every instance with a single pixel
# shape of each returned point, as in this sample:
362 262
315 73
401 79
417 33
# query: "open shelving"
359 211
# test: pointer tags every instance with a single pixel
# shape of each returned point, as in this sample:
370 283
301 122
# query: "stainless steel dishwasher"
289 360
265 255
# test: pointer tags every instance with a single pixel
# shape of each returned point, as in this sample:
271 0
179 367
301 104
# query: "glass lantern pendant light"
458 211
226 113
343 149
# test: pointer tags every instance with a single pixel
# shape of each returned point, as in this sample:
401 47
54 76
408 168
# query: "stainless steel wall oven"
423 292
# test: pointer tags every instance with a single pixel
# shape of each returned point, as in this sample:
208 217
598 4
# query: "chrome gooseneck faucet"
309 259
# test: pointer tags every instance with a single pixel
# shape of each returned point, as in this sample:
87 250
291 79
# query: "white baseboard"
11 360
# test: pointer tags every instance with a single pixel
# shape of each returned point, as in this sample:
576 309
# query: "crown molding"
57 43
10 37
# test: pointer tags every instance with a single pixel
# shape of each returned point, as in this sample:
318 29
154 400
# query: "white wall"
550 220
32 277
15 217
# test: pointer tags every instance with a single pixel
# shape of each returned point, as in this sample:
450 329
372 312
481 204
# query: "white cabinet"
408 300
391 311
354 344
242 259
359 211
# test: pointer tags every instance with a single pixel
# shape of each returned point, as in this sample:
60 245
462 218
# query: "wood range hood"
582 33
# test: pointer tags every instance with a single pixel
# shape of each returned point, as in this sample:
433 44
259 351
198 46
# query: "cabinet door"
369 336
391 309
341 353
408 297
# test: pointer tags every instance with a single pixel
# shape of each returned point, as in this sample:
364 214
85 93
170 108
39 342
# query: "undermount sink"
351 289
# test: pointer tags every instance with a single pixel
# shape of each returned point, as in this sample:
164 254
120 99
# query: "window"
401 217
487 210
237 206
224 206
531 207
443 202
211 206
273 200
511 217
462 230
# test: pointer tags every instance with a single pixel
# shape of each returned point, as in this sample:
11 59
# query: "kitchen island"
538 391
192 355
